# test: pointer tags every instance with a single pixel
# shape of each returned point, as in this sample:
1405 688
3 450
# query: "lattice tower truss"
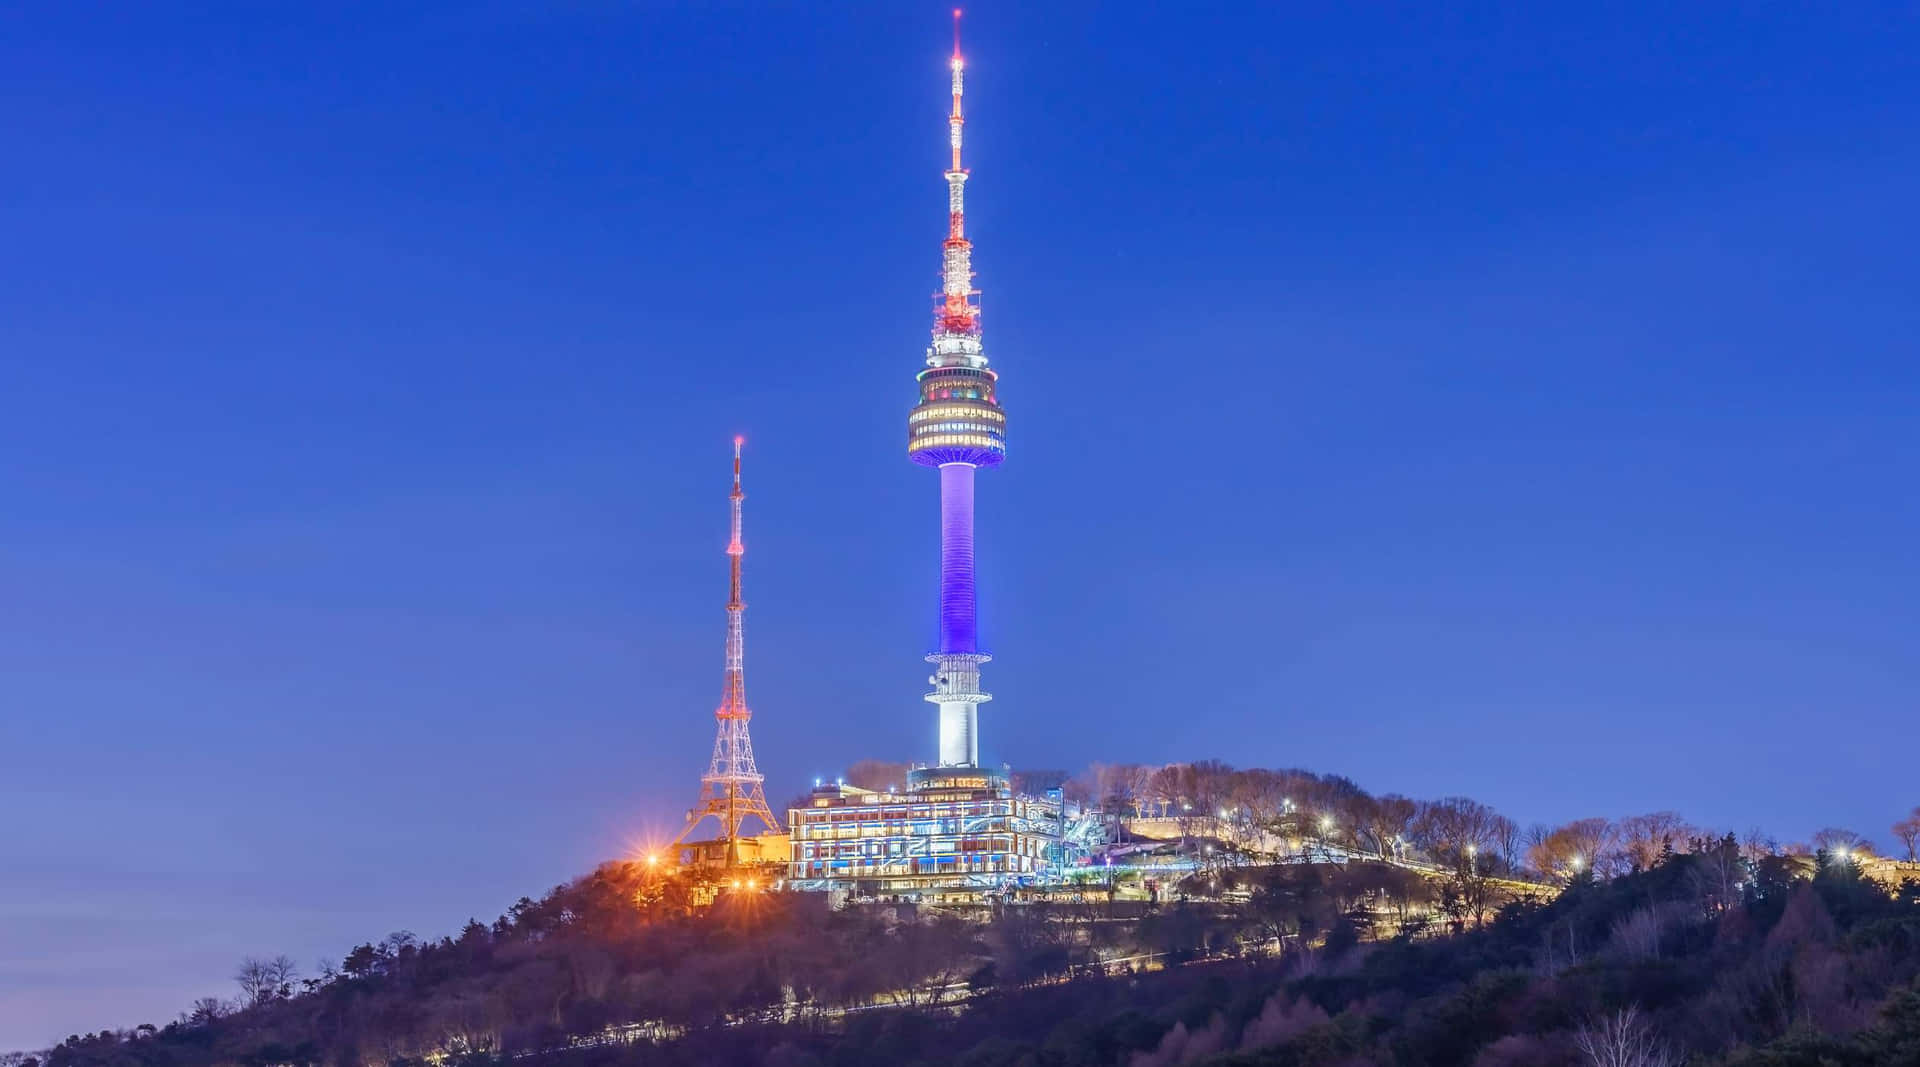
732 791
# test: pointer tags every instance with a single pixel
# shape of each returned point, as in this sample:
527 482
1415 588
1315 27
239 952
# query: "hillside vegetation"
1705 950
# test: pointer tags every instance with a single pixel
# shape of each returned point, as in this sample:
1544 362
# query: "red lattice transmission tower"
732 790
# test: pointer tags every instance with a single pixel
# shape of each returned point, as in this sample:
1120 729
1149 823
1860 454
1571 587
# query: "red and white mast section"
959 318
732 790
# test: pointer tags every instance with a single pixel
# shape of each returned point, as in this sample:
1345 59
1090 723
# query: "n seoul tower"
957 427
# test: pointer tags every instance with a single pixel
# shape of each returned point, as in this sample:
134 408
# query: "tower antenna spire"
732 790
957 313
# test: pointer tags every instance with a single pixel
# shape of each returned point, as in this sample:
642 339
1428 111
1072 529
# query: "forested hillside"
1767 966
1394 933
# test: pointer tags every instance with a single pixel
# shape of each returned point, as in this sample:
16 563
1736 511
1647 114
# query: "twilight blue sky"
1510 401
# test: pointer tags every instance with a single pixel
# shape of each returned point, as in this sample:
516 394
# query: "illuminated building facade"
953 830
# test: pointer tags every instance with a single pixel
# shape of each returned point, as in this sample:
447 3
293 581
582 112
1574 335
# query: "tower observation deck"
958 427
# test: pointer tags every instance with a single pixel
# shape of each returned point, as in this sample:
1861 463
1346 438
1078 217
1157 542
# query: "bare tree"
1386 824
1623 1039
1169 789
1758 845
1455 829
255 985
1259 797
1132 783
1645 837
1098 786
204 1011
1506 842
1839 841
1637 934
1599 841
1536 852
927 960
1908 831
263 980
1717 871
1209 784
1581 845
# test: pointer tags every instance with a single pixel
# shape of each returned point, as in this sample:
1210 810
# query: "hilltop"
1703 946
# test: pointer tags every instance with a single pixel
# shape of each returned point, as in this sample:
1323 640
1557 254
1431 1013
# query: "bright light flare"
643 848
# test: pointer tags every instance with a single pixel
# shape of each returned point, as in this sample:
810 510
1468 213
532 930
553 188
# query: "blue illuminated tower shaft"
958 427
956 679
959 610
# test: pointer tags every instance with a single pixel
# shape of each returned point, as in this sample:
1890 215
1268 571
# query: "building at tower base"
953 830
720 853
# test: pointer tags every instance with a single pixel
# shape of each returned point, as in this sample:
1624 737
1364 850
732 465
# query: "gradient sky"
1516 402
